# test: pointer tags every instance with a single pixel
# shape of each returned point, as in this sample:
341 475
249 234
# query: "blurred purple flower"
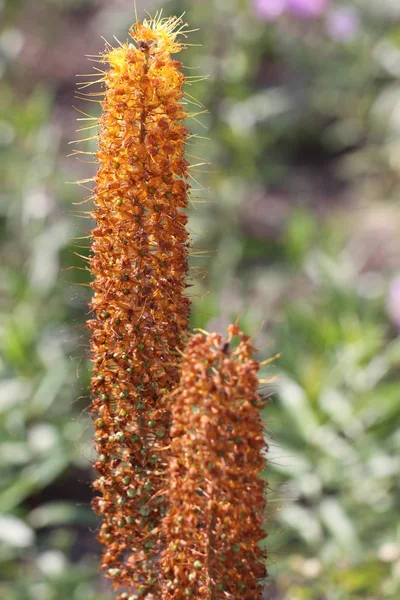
393 302
342 23
269 10
307 9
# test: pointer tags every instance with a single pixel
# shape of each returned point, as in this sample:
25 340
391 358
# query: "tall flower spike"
139 262
217 502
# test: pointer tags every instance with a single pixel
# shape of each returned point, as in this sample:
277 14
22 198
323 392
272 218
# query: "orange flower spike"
217 502
139 263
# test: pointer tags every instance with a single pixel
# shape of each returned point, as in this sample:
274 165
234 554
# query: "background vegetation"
303 223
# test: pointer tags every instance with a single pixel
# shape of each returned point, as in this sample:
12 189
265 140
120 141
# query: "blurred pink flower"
343 23
269 10
306 8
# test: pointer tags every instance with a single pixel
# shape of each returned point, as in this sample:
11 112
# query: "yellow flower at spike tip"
164 32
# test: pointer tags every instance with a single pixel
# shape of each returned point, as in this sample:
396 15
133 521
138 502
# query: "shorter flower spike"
216 494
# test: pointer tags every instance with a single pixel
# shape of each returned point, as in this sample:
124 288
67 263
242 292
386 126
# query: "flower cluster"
216 495
140 310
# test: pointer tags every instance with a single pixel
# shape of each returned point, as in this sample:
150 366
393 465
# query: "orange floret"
217 501
139 262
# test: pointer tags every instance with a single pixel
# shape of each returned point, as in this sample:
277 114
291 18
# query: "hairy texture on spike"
217 502
139 263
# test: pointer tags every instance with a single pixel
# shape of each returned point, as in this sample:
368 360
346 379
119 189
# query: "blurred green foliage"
302 219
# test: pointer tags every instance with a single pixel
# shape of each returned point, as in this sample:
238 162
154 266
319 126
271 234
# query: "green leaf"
340 525
296 404
33 478
60 513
